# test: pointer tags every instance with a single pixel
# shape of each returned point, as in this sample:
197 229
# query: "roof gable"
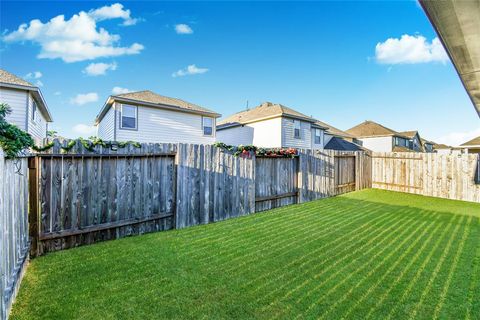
473 142
371 129
150 97
264 111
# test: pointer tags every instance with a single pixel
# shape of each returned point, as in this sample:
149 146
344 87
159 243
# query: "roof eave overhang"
457 24
35 91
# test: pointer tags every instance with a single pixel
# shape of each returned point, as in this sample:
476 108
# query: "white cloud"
457 138
183 29
76 39
120 90
35 76
57 93
112 12
97 69
84 130
84 98
190 70
409 50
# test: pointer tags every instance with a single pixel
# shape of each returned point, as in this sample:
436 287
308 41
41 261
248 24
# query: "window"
34 109
296 129
207 124
318 136
128 117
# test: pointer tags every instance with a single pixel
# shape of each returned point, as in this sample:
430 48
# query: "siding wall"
267 133
322 140
378 144
288 139
160 125
105 129
17 100
236 135
38 127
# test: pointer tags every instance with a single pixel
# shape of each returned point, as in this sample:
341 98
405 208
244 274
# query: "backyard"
366 254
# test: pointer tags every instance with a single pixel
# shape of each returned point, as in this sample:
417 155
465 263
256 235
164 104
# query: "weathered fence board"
85 197
328 173
275 182
212 185
88 196
14 242
429 174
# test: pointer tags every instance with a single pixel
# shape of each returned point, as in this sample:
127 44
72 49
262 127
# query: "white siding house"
145 116
271 126
29 110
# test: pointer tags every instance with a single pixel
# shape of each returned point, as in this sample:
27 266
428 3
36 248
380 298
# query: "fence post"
33 204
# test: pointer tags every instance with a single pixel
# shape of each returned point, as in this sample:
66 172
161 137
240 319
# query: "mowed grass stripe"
291 239
230 240
473 309
453 268
310 221
403 221
307 261
368 254
375 270
436 271
359 265
411 293
427 247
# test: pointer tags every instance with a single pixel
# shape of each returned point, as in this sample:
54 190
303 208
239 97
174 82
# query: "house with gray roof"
29 109
471 146
272 125
146 116
379 138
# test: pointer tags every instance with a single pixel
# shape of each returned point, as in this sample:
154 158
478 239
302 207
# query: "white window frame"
121 117
319 136
203 126
34 110
299 136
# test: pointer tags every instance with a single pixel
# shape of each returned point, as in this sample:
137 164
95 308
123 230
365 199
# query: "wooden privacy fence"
81 197
13 227
429 174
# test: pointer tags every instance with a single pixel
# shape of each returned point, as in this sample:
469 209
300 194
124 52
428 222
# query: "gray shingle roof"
334 131
337 143
154 98
10 78
264 111
372 129
473 142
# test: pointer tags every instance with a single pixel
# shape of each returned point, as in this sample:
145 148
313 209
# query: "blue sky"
320 58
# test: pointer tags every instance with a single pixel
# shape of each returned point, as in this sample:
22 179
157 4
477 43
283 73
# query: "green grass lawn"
370 254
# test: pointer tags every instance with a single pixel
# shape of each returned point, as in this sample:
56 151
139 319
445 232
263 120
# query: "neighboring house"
379 138
271 126
428 146
472 146
145 116
336 139
414 140
444 149
29 109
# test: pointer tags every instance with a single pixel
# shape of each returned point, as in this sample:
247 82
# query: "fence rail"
14 242
429 174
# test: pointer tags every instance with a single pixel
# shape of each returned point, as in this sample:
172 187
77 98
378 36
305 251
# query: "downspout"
114 121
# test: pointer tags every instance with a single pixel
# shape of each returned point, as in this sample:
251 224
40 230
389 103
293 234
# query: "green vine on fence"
248 150
13 140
